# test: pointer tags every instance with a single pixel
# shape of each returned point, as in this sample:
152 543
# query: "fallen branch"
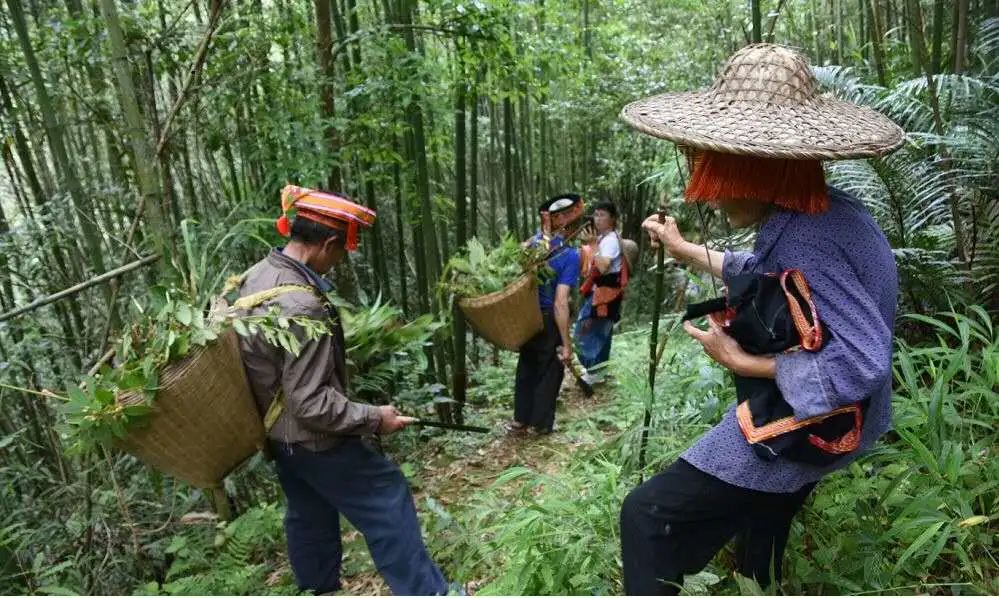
80 287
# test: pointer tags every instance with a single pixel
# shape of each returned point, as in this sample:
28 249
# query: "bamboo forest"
318 296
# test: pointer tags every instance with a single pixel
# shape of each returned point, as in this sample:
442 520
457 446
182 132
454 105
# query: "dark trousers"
675 522
371 492
539 378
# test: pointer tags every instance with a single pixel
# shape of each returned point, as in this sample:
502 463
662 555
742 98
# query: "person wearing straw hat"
542 360
756 139
319 438
603 291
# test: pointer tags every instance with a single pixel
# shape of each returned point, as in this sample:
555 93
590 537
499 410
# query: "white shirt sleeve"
609 247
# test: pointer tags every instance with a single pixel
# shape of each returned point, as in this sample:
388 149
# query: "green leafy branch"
103 407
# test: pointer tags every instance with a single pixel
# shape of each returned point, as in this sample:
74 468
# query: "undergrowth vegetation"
917 514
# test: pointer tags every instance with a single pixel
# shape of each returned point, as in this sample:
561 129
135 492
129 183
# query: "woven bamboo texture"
766 102
630 249
204 421
507 318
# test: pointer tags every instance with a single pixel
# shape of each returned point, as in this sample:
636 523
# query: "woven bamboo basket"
204 421
507 318
630 252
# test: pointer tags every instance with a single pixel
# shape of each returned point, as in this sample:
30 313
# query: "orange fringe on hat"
797 185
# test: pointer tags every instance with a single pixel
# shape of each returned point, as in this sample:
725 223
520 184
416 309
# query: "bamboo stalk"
192 74
653 345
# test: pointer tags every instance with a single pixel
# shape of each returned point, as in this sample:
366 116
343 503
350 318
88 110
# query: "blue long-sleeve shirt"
850 268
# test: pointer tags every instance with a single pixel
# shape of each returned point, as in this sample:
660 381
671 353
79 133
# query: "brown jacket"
317 412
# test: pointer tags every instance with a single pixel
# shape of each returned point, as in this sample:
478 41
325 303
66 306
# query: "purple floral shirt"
850 268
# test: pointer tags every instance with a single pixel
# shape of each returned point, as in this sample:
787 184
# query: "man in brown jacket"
325 465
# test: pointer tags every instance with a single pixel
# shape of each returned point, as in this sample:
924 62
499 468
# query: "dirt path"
447 479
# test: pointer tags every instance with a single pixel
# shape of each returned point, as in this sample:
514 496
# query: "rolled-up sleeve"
311 397
856 361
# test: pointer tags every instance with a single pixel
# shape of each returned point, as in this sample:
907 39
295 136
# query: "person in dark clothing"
322 442
756 140
541 363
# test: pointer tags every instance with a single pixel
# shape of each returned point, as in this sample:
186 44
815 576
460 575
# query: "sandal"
515 428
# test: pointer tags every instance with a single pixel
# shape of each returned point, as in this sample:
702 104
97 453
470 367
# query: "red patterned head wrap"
329 209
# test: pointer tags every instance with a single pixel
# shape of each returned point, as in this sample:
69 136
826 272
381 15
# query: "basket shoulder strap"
274 411
260 297
252 300
809 328
233 282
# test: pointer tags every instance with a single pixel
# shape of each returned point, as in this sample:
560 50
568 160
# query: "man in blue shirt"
541 365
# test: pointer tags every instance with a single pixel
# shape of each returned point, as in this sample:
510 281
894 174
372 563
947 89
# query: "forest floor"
445 477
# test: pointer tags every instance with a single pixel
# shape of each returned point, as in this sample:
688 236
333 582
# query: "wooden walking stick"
653 343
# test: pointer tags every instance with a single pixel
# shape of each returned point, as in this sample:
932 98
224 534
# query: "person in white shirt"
603 292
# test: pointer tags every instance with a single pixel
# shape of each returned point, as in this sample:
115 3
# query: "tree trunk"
863 34
170 206
493 159
473 163
21 145
7 266
816 34
526 161
961 39
327 74
877 36
341 32
400 224
916 47
938 18
376 243
54 134
474 186
511 210
915 15
419 148
757 36
352 20
142 148
459 375
839 31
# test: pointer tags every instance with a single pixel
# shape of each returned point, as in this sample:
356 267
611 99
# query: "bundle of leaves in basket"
104 408
177 396
497 290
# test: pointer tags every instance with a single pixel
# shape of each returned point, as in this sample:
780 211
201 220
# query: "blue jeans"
371 492
593 336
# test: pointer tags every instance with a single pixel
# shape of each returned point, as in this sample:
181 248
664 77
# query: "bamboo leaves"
170 330
481 272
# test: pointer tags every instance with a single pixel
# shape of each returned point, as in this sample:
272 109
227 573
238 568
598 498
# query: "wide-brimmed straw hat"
766 103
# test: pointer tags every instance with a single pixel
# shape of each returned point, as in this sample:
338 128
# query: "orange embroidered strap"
789 424
810 332
845 443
